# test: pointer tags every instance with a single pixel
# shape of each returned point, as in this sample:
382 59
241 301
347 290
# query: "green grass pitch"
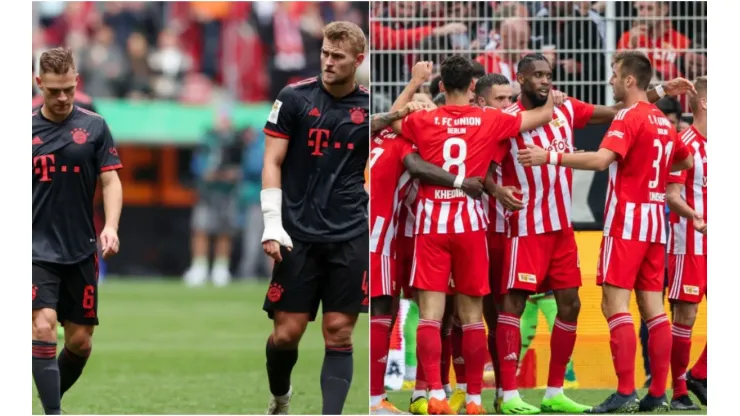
162 348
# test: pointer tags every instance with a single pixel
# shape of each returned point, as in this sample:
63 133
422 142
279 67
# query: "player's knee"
338 333
286 336
381 305
45 325
569 307
79 341
514 302
685 313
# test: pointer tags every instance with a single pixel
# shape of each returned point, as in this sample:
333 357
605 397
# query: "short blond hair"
346 31
56 61
701 92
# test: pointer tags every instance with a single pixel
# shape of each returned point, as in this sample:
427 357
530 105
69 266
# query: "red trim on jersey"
111 167
275 134
304 82
88 112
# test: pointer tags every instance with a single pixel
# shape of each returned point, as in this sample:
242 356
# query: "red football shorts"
404 261
383 276
631 264
687 277
457 260
496 256
542 262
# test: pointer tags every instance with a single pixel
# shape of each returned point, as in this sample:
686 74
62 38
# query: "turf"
162 348
534 397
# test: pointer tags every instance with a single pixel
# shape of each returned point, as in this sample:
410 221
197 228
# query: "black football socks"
280 362
336 377
70 368
46 375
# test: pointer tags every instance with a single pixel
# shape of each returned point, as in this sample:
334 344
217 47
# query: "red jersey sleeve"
582 113
624 41
620 136
405 147
410 126
677 177
502 149
681 151
503 125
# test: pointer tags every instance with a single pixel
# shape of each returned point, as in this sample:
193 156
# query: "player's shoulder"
630 113
299 88
688 136
513 109
362 90
89 116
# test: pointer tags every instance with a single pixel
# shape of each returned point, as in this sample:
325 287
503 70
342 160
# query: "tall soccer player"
687 255
72 149
640 148
393 164
451 227
315 209
542 255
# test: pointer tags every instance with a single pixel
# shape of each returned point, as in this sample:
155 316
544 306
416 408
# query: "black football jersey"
323 174
68 157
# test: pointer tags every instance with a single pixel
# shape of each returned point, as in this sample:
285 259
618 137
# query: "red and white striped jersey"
646 145
463 141
406 218
494 209
546 190
684 239
388 178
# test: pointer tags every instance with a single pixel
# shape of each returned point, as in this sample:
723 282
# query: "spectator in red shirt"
666 47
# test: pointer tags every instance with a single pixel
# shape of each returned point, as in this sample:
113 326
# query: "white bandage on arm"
272 203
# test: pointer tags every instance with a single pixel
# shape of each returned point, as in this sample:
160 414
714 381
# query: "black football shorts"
70 289
333 274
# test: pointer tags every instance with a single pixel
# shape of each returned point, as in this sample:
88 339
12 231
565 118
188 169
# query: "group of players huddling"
471 214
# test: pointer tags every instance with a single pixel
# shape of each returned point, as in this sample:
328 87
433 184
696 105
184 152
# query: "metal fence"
578 37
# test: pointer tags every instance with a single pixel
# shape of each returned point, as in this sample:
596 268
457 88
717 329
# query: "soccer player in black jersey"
72 149
315 211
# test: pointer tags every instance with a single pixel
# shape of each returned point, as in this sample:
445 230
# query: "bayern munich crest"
80 135
357 115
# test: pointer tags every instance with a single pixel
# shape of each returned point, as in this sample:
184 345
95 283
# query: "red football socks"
380 330
458 360
659 346
429 351
561 346
623 345
680 356
508 346
475 354
699 370
446 361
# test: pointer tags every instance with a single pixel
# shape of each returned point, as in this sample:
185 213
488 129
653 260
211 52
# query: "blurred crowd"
185 50
572 35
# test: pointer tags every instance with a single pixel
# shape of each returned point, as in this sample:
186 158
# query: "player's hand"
532 156
473 187
450 29
272 239
558 97
699 223
636 32
679 86
413 106
109 241
507 195
422 71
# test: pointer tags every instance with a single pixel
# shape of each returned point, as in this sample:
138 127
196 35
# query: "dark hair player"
316 220
72 148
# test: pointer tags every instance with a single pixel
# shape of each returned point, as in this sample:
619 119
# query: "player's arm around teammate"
604 114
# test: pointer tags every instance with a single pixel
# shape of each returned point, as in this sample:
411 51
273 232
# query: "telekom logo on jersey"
44 165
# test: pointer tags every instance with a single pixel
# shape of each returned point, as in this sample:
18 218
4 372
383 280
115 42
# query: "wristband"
554 158
660 90
458 181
